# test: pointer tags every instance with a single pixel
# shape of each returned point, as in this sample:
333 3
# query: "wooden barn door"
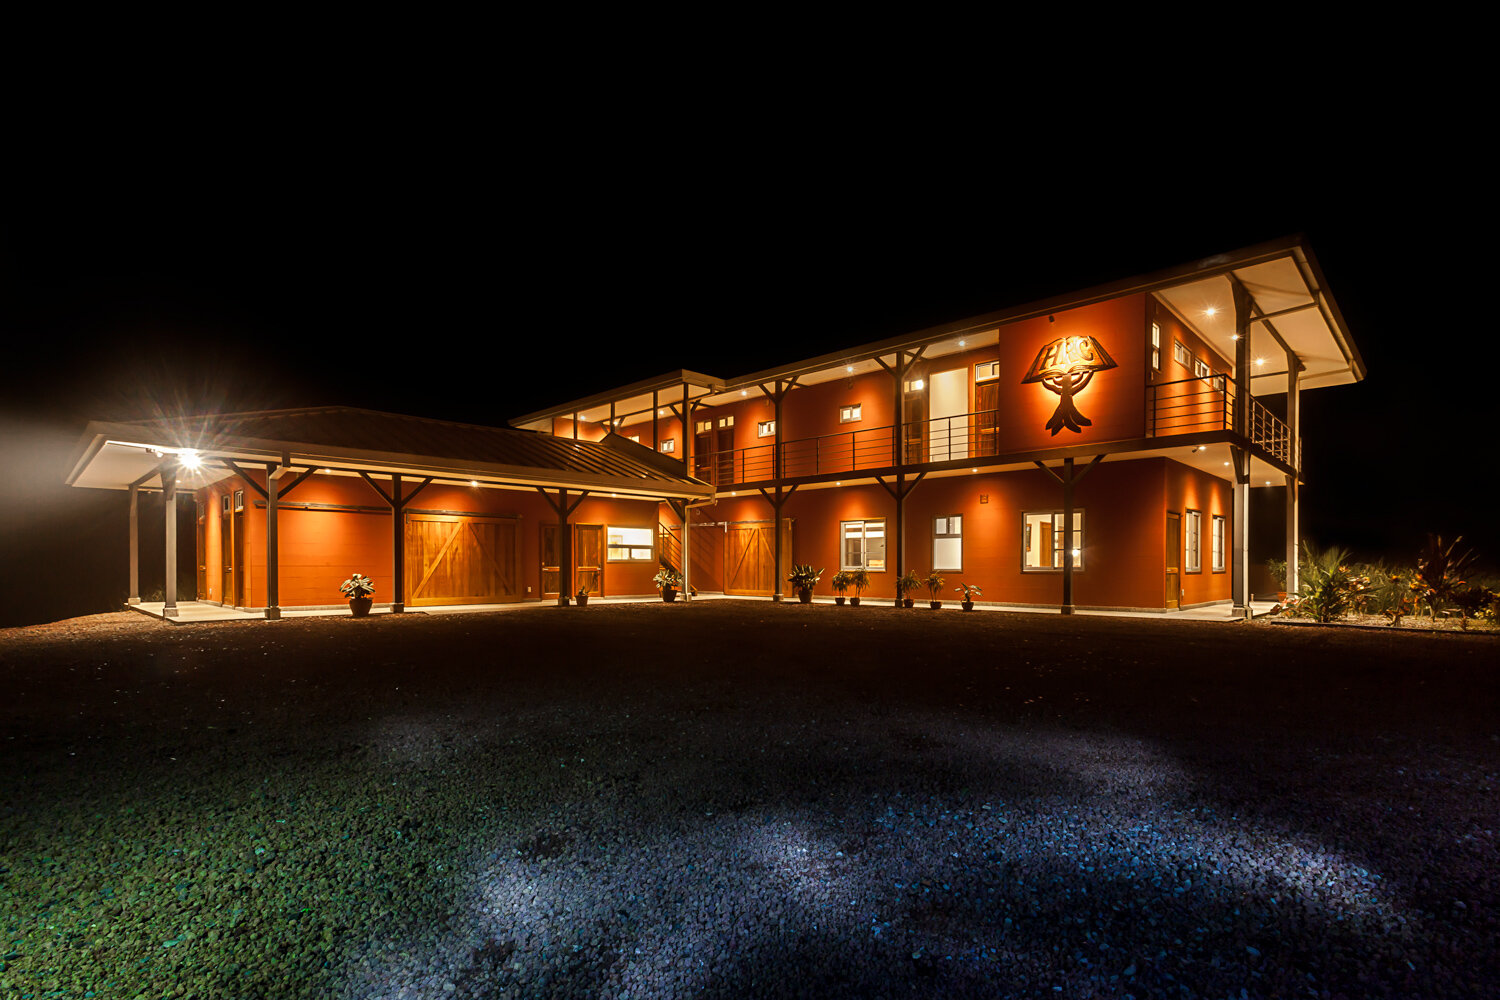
750 557
1174 559
588 559
452 559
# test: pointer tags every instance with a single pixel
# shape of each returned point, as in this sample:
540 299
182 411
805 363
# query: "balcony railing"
1188 406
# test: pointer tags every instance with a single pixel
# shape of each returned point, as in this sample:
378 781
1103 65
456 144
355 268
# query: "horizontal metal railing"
1187 406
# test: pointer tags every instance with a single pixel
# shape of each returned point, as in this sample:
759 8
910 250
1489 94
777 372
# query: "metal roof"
113 455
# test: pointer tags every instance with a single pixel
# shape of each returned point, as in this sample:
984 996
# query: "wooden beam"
135 545
246 477
273 552
169 506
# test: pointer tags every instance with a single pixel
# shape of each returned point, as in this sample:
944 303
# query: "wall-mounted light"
473 482
1234 336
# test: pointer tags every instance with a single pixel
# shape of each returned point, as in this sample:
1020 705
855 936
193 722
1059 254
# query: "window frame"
864 550
936 535
1220 543
1182 355
608 548
1156 347
1192 541
668 446
854 411
1056 513
765 428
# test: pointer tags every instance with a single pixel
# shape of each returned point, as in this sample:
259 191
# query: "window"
631 544
915 384
1192 534
1218 383
669 446
948 544
1218 530
986 371
1156 346
224 505
1043 540
1201 369
239 499
864 545
726 421
849 414
1181 354
636 438
765 428
704 426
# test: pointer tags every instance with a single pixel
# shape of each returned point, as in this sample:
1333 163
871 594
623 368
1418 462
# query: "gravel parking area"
739 799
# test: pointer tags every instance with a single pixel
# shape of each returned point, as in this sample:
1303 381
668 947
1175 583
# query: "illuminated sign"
1065 366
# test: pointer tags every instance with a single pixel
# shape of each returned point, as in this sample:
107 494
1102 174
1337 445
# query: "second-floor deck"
1173 409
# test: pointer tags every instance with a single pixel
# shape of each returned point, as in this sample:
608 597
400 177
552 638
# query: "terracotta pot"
853 602
935 604
583 600
804 594
668 594
839 601
360 606
968 605
907 602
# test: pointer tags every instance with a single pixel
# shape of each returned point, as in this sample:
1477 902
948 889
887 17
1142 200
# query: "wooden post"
273 569
1239 582
656 421
564 551
169 506
1067 556
687 555
398 547
135 545
1293 486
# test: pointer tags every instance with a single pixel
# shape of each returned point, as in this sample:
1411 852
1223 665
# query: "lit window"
631 544
1201 370
864 545
636 438
765 428
669 446
224 505
726 421
915 384
239 499
849 414
986 371
1181 354
704 426
1218 530
1043 540
1156 346
948 544
1192 531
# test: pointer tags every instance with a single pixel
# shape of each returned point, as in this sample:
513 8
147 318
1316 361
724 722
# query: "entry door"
226 557
986 420
451 559
1174 559
703 464
200 552
750 556
948 417
724 448
914 423
588 559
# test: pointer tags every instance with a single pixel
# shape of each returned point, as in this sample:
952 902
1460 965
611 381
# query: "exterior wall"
319 549
1124 505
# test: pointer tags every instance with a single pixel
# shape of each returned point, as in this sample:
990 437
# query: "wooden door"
587 541
1174 559
750 557
724 452
235 596
226 558
200 552
914 425
703 462
986 420
451 559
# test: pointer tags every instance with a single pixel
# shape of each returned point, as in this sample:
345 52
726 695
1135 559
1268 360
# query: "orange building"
1095 450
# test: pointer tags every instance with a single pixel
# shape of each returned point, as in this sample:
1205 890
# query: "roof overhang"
634 399
119 455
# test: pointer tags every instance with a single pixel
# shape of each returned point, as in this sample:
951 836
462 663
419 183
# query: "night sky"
473 271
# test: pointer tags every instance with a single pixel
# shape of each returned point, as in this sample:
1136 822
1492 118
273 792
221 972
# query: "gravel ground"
736 799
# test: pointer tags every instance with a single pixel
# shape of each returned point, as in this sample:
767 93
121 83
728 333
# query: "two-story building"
1094 450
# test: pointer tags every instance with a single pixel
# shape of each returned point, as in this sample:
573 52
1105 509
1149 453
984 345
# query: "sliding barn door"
451 559
750 557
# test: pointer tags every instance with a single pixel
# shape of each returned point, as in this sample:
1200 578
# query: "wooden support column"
899 490
135 545
564 541
655 421
898 370
687 555
397 503
777 501
1243 306
1293 482
1069 479
273 568
1239 559
169 506
776 395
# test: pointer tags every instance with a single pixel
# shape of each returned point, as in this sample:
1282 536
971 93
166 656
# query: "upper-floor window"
849 414
704 426
669 446
915 384
765 428
1201 370
635 437
986 371
1156 346
727 421
1181 354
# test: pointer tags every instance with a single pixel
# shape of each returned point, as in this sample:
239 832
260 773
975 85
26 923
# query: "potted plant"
802 580
934 585
905 584
970 592
840 584
859 579
582 596
667 580
358 589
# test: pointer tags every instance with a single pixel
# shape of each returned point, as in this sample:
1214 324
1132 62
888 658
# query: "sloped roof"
350 438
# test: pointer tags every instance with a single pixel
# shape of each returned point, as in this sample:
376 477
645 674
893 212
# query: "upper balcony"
1173 410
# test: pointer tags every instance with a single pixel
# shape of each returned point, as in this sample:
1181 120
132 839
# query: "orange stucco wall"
1124 504
319 549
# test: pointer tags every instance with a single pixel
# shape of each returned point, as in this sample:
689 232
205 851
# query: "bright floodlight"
190 459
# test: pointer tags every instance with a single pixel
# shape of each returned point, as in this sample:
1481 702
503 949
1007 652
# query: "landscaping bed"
740 799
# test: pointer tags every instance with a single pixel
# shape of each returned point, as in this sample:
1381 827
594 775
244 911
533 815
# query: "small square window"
765 428
726 421
849 414
986 371
636 438
1201 370
704 426
224 505
239 499
1181 354
669 446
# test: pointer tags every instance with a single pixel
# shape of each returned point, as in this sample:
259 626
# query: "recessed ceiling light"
1211 311
848 368
1259 362
473 482
961 343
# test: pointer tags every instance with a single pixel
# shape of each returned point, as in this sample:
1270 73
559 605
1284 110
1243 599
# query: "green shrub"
1440 575
1327 590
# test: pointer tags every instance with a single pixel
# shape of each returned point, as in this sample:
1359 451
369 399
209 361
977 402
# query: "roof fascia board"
1317 287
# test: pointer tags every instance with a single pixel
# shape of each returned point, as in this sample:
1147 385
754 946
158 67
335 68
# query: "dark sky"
478 269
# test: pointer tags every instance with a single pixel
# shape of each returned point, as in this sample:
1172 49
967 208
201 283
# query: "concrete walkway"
189 612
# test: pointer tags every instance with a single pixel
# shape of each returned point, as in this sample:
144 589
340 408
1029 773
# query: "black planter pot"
668 594
839 601
935 604
968 605
360 606
583 600
804 594
853 602
907 602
